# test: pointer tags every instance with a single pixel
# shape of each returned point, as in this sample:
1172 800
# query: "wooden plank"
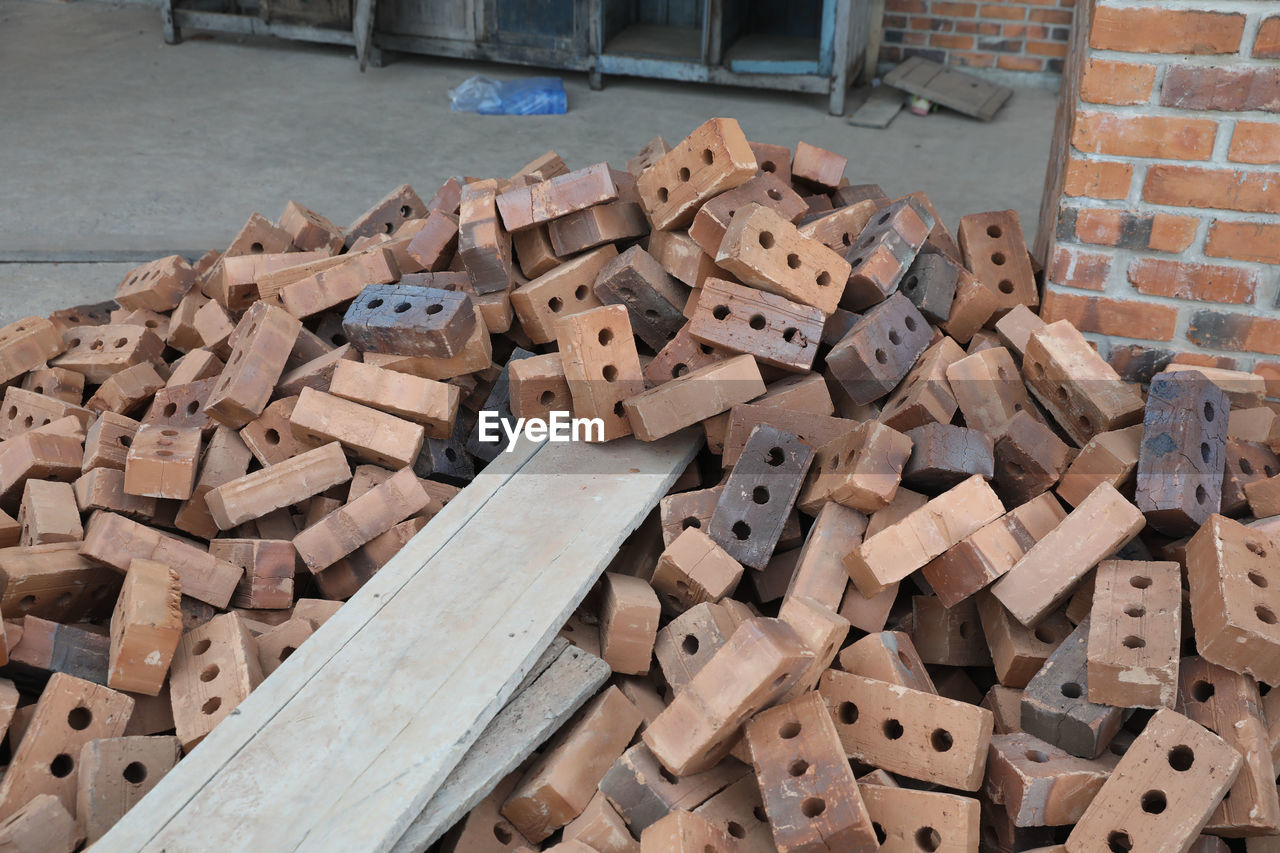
879 109
954 89
538 710
401 682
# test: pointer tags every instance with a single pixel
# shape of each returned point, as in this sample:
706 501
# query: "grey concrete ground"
116 146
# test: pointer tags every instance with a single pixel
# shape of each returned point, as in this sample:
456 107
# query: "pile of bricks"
940 581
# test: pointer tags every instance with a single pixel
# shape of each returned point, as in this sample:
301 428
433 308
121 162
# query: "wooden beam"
390 693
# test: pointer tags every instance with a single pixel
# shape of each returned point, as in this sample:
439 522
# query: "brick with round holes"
860 469
761 661
395 208
25 410
654 300
560 292
813 429
1235 597
912 821
713 218
1162 791
774 329
162 462
996 252
271 439
115 773
838 229
713 158
26 344
765 250
538 386
1180 462
214 669
809 790
1056 706
689 640
70 713
643 791
1040 784
1077 387
158 285
234 282
542 201
182 406
1135 641
339 283
821 628
126 391
882 253
275 646
930 284
948 636
1247 462
309 230
261 344
908 732
601 365
1227 703
410 320
56 382
879 350
1029 458
759 495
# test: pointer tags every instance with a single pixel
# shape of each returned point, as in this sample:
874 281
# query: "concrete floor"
117 147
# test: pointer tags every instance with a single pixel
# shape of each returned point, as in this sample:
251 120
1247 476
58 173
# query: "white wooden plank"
533 715
346 749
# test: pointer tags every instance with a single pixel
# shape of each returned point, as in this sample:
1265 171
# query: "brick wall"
1161 222
1030 35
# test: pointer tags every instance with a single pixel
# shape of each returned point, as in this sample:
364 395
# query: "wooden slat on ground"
879 109
954 89
348 741
536 712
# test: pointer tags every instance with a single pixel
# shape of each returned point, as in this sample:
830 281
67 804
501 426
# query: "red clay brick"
917 6
1020 63
1141 320
1238 332
1006 13
1109 82
1073 268
1255 142
1097 179
1029 31
1270 373
1099 226
958 42
1194 87
974 60
1223 189
1267 45
1144 136
1184 280
982 28
1244 241
1047 48
1050 16
955 10
1155 30
1170 233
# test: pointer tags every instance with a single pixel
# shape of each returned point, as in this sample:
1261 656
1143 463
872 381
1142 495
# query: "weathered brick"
1223 189
1112 316
1267 44
1237 332
1097 179
1198 87
1255 141
1157 30
1244 241
1109 82
1173 137
1191 280
1074 268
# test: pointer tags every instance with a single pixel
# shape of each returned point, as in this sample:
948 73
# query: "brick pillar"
1160 226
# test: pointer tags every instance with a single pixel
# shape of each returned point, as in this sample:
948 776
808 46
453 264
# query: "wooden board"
879 109
347 742
944 85
537 711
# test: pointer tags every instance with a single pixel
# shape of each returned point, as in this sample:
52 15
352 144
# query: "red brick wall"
1029 35
1161 227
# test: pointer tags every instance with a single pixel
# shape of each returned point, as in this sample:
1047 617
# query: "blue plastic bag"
532 96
